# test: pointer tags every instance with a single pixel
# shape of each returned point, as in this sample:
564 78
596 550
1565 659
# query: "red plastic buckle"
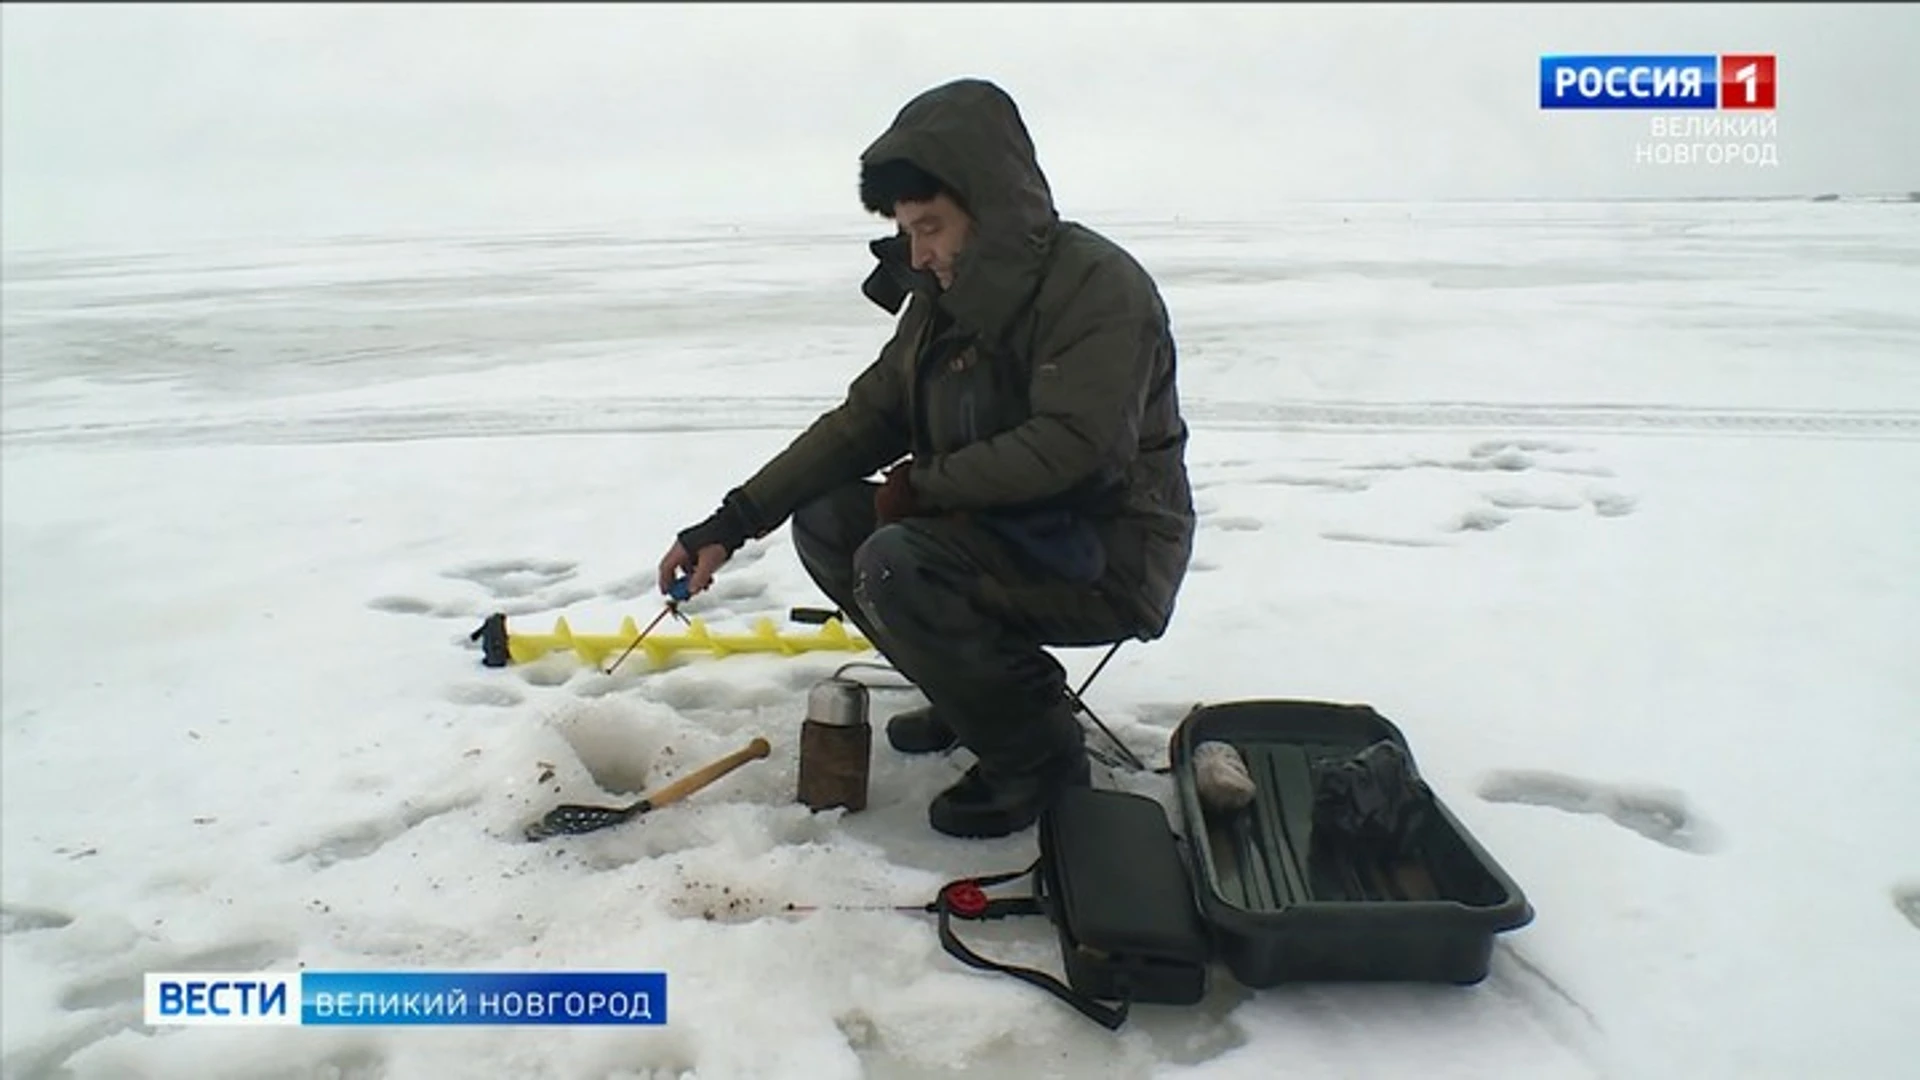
966 899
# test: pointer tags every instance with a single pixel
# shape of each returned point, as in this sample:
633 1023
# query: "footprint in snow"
24 918
507 579
401 605
735 591
1612 503
46 1057
598 684
109 1001
692 692
450 609
1346 484
1327 483
1506 460
529 605
512 586
124 982
1481 519
1906 901
472 609
638 587
553 669
1237 524
1539 446
1661 816
498 695
361 839
1348 537
1534 500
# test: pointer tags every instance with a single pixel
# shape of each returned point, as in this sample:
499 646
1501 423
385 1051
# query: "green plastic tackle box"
1285 908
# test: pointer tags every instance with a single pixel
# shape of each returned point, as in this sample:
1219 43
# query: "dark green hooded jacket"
1045 394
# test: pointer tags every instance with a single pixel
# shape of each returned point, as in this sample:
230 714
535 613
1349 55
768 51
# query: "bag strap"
1106 1016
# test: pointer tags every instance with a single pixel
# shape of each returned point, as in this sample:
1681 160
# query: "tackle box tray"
1282 909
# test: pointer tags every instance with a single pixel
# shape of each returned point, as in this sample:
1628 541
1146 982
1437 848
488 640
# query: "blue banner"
1630 82
415 998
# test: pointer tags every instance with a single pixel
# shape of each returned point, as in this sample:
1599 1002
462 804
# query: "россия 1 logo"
1726 81
1742 87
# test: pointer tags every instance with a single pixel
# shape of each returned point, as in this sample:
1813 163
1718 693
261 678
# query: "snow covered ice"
1609 506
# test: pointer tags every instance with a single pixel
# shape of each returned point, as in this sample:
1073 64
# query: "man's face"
938 230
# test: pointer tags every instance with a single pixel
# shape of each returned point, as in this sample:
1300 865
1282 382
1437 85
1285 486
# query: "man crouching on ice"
1043 496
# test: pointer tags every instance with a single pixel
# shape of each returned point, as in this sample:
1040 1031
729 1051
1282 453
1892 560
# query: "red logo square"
1746 81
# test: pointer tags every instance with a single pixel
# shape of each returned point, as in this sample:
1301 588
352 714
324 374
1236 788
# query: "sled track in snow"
658 416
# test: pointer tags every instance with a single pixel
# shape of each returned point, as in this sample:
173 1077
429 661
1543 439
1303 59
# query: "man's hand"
896 499
698 570
699 550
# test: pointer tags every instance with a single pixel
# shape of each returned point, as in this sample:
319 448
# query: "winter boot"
990 802
921 731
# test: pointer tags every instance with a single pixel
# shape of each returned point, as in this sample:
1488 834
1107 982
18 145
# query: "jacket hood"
970 135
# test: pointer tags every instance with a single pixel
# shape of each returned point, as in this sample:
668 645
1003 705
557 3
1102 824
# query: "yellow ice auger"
502 648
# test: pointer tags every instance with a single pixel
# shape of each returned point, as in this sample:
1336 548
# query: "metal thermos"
836 745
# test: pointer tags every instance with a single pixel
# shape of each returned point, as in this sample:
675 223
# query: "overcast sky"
137 123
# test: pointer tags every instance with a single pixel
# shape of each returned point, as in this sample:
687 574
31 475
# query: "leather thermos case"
836 745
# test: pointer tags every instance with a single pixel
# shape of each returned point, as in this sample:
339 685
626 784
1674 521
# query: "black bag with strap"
1111 879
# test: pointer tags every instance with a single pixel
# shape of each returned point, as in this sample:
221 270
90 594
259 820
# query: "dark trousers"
958 611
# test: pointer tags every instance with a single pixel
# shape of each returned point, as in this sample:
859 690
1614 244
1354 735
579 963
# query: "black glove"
731 526
1373 800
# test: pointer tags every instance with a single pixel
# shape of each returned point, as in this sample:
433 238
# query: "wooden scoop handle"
707 774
